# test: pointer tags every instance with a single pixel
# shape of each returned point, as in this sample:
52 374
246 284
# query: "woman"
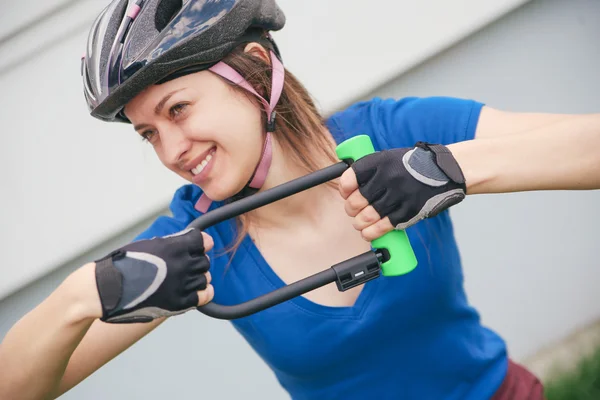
193 78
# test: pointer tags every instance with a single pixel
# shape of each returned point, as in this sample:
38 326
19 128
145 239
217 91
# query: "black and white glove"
152 278
410 184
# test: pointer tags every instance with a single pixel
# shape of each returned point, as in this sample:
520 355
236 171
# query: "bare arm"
523 152
511 152
61 342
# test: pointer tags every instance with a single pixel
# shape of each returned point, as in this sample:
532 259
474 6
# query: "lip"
201 177
193 163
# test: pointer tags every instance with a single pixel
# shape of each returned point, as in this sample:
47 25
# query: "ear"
257 50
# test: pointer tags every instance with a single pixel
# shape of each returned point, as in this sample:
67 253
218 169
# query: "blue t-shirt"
411 337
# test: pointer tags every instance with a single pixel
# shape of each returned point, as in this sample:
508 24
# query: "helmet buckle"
271 122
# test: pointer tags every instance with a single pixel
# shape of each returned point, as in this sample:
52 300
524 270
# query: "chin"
221 192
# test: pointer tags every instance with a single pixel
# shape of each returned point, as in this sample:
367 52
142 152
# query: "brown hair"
299 125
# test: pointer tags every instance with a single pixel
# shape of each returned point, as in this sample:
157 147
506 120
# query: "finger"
200 264
355 203
377 230
201 244
196 283
348 183
367 217
208 241
199 282
204 296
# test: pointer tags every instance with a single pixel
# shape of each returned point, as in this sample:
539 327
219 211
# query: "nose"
175 145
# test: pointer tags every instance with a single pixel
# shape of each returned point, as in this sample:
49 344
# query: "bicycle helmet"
133 44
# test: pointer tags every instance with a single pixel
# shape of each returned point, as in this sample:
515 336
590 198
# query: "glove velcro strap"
109 282
445 161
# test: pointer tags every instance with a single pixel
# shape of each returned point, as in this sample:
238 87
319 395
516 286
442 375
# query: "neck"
303 207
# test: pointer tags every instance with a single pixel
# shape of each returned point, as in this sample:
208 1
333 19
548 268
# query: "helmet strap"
260 172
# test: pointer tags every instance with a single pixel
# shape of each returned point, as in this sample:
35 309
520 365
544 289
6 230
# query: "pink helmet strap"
260 173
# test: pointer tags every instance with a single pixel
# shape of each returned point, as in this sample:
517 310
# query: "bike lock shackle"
391 254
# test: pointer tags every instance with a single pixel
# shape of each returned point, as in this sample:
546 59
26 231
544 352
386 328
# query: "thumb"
348 183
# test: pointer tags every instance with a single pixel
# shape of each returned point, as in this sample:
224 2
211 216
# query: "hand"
395 189
155 278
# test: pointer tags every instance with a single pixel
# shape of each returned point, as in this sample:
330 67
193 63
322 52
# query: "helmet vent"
166 10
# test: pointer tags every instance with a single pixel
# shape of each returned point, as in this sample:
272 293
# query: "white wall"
530 259
15 19
59 162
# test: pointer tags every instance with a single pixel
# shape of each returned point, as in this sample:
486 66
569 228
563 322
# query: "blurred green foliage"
582 383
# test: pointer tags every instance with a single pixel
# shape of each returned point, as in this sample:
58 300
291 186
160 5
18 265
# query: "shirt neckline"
355 311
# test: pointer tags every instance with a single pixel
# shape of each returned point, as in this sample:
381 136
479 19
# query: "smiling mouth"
198 168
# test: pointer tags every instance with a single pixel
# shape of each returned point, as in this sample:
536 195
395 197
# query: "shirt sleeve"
182 214
162 226
440 120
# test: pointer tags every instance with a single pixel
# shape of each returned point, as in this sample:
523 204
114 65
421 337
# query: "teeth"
201 166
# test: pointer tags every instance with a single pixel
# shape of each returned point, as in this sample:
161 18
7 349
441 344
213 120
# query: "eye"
149 136
177 109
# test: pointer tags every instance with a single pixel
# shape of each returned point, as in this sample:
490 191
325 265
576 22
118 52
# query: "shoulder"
361 118
401 122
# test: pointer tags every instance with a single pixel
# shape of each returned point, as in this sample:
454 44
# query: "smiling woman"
204 84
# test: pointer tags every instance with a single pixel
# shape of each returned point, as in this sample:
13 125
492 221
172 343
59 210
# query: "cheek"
239 135
162 157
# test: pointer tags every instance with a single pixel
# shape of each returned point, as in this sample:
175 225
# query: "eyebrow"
159 107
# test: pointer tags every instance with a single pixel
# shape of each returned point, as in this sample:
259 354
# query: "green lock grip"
402 257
